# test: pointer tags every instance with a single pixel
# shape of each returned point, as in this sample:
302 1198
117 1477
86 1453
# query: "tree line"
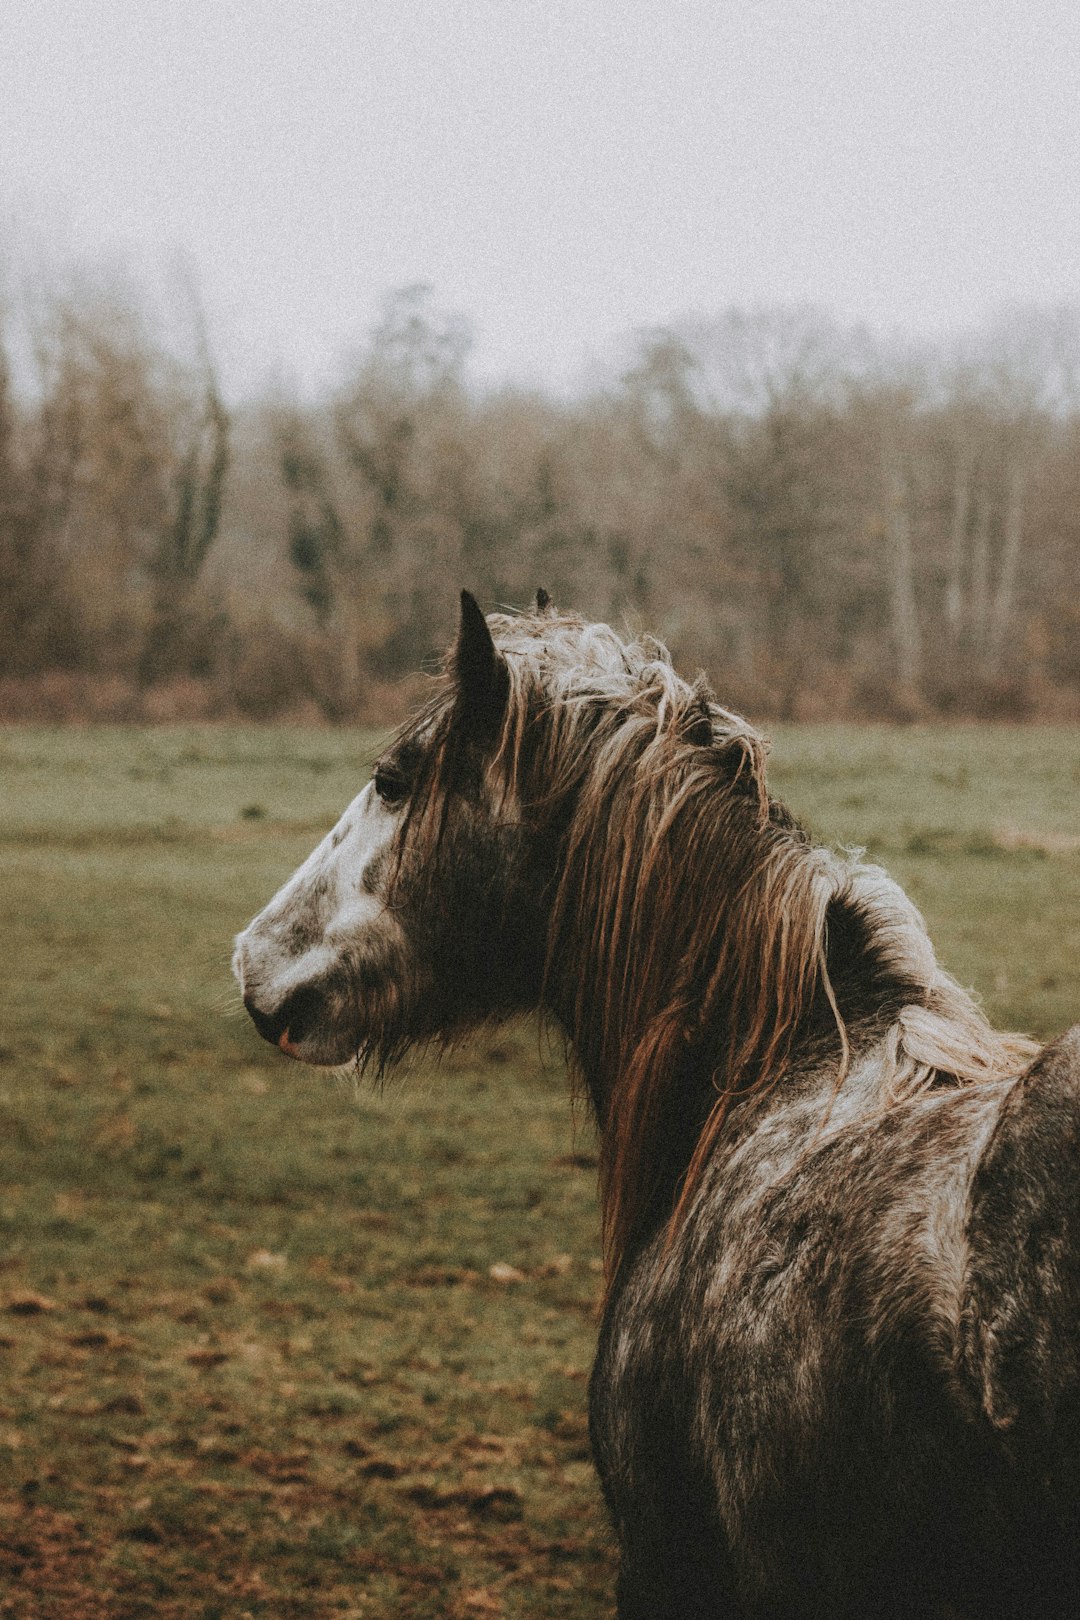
832 526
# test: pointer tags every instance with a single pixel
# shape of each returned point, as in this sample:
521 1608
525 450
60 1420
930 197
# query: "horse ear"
483 681
697 722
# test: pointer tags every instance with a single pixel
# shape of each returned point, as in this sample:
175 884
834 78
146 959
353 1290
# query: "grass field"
253 1359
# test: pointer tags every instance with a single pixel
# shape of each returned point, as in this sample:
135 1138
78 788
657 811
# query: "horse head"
421 913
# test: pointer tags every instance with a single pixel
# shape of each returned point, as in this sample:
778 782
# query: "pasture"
274 1344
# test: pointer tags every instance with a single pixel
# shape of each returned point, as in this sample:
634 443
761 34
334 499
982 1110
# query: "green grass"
269 1372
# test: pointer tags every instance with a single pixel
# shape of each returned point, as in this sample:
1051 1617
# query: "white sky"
560 170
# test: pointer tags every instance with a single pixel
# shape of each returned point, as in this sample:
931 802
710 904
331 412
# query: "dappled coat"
838 1367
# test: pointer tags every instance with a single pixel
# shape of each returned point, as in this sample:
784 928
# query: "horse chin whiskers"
387 1007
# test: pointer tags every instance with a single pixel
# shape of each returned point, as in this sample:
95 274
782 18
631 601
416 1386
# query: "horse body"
839 1366
795 1407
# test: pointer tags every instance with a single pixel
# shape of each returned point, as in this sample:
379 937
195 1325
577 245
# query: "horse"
838 1370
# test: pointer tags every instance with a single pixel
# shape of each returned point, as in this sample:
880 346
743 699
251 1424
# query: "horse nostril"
270 1026
296 1014
301 1012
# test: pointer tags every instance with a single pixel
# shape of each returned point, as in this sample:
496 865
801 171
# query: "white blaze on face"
303 940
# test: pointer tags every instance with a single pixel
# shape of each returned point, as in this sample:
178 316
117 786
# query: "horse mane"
693 942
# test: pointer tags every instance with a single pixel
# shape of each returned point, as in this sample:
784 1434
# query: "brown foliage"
831 531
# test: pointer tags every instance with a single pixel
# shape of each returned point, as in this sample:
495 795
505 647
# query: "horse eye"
390 785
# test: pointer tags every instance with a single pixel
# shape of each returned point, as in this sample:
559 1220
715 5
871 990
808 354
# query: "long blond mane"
691 915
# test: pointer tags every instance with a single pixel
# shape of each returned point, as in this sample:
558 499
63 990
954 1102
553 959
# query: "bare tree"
183 542
398 424
906 633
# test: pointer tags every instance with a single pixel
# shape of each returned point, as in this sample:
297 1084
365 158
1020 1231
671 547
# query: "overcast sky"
561 171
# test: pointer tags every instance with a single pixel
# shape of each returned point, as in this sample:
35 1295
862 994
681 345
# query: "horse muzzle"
297 1011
